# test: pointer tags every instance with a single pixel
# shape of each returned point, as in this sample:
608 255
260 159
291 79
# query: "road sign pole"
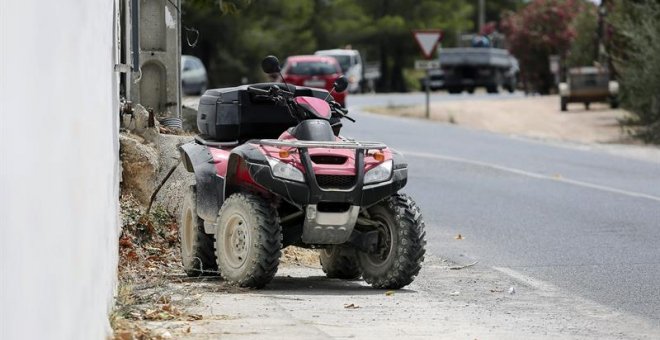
427 41
428 94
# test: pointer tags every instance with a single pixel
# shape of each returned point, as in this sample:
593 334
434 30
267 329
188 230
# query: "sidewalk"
469 303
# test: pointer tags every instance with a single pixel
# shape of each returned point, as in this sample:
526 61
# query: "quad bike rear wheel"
340 262
400 250
248 241
197 252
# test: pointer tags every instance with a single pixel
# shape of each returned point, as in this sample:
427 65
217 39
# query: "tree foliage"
538 30
232 45
635 52
584 49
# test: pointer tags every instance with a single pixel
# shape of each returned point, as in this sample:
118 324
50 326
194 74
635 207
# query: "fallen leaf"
389 293
458 237
132 256
125 242
463 267
194 317
351 306
124 335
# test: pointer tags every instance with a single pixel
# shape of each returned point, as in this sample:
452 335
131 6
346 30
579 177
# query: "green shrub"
635 51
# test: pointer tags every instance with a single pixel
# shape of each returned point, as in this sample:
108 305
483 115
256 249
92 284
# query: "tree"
231 45
635 51
584 48
540 29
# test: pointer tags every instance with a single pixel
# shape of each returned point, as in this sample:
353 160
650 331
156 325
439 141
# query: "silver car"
193 75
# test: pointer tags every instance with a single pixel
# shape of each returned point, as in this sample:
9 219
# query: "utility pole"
482 14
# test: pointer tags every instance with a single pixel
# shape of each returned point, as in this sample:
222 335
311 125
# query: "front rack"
315 144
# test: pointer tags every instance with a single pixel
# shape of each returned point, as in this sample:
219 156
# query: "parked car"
437 81
194 80
313 71
587 85
351 64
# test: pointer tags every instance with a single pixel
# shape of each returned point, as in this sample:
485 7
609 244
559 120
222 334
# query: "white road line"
533 175
528 280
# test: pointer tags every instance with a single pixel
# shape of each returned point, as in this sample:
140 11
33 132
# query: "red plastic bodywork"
347 168
220 158
318 105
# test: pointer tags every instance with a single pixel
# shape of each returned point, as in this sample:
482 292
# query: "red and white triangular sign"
427 41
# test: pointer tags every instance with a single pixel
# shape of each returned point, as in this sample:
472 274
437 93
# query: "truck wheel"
197 252
492 89
401 243
455 90
614 103
586 106
470 90
340 262
564 103
248 241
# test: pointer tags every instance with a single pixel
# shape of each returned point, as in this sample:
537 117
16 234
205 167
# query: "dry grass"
536 117
300 256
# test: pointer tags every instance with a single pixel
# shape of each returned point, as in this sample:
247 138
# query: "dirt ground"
536 117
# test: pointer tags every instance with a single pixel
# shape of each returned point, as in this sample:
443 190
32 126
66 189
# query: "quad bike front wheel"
400 250
248 241
340 262
197 252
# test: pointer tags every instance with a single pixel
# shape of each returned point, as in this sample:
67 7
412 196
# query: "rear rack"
315 144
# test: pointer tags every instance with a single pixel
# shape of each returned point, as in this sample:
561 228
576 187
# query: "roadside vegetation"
635 50
235 36
565 28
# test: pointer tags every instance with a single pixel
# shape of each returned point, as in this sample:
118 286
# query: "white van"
351 65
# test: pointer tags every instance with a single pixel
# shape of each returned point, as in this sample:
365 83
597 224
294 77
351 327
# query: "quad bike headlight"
379 174
285 170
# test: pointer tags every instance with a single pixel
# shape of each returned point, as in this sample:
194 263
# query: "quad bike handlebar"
284 97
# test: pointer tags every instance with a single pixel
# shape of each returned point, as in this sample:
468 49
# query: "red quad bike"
271 171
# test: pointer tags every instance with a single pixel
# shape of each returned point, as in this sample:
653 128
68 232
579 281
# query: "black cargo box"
233 114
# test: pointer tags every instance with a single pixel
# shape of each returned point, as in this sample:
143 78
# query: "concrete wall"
58 168
158 82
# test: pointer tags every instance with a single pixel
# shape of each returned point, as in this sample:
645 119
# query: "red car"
314 71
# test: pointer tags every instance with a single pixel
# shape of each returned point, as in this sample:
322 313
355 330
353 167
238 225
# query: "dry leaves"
148 260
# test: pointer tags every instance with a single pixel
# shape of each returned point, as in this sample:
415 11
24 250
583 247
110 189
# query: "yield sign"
427 41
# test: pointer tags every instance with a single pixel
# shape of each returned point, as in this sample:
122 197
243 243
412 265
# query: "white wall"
58 169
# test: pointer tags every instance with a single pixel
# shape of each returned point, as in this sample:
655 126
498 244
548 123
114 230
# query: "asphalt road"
582 219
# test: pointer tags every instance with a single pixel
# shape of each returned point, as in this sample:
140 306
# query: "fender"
398 160
237 167
210 187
